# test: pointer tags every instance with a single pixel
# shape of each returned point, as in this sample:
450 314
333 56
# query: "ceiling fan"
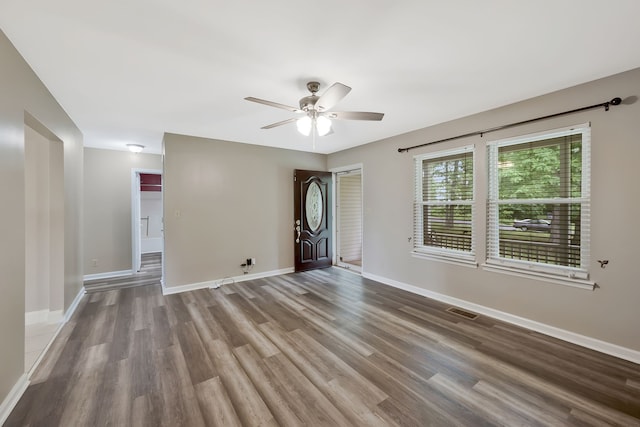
314 112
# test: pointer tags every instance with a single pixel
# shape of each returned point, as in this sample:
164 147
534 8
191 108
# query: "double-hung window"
539 204
444 205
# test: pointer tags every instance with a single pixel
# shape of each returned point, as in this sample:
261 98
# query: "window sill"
445 258
545 277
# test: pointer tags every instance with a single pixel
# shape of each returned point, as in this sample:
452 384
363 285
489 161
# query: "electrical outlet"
253 261
249 261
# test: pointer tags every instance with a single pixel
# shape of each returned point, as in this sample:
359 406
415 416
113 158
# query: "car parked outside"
532 224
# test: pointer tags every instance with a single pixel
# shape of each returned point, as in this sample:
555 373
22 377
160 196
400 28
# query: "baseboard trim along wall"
44 351
572 337
213 284
108 275
74 305
23 382
13 397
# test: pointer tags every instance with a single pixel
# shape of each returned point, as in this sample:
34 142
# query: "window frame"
419 250
573 276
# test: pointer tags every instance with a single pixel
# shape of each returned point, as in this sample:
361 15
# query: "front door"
312 216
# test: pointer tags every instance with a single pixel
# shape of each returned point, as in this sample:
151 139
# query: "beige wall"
37 225
107 207
44 223
610 313
25 99
225 202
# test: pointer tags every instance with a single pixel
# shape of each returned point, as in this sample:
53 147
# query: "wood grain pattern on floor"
324 347
150 273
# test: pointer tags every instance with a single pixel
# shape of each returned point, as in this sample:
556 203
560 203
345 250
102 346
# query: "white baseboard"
62 320
44 351
170 290
74 305
225 280
572 337
43 316
108 275
23 382
254 276
13 397
31 317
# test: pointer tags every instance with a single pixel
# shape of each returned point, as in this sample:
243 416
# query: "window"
538 203
444 205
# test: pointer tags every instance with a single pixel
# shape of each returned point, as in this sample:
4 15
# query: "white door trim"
136 250
336 171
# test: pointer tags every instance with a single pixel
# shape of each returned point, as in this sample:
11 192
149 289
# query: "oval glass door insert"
313 206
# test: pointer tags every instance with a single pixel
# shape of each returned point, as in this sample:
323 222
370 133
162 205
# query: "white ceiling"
127 71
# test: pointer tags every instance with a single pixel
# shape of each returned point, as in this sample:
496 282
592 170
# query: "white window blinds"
539 202
444 204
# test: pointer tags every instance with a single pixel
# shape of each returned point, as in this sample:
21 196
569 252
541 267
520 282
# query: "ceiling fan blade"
354 115
273 104
284 122
332 96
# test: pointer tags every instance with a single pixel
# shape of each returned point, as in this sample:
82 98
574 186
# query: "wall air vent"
463 313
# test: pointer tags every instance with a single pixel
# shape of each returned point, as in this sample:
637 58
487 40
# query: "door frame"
336 197
136 243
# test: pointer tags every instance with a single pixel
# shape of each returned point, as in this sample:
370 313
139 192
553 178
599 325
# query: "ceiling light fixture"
135 148
323 125
304 125
307 124
317 110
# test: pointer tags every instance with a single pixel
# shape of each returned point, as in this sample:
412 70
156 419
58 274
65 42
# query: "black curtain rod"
614 101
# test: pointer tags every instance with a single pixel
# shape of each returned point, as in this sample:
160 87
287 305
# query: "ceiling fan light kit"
316 116
304 125
135 148
323 125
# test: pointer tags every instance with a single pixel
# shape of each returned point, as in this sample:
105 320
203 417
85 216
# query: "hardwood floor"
150 273
324 347
36 338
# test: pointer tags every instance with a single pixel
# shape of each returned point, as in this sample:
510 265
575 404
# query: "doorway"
147 221
349 218
44 238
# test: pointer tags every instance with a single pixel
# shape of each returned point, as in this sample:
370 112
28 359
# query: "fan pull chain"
314 131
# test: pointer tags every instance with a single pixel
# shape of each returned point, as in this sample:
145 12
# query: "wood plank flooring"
150 273
325 347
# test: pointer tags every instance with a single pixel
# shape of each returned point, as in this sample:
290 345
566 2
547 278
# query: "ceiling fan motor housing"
313 87
308 103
